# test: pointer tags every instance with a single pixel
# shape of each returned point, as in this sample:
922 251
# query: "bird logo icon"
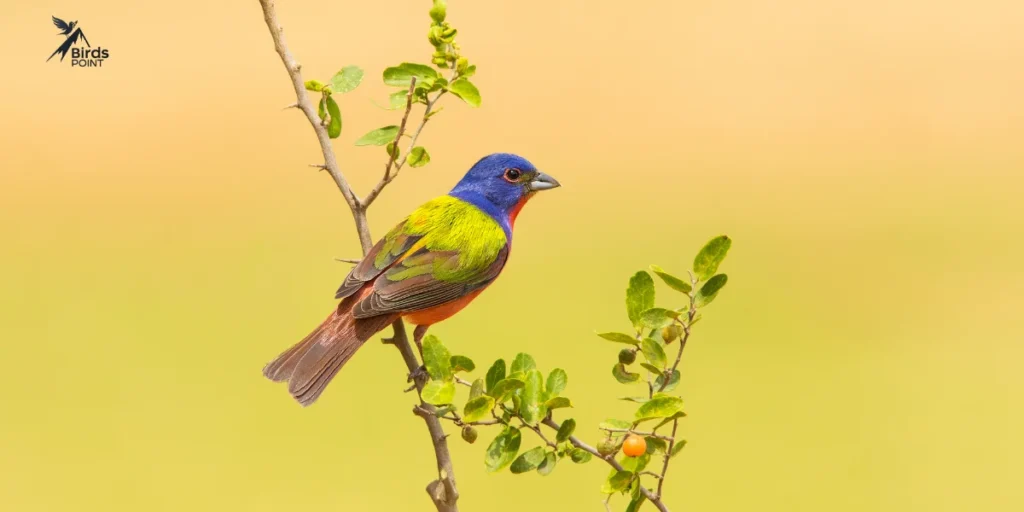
72 33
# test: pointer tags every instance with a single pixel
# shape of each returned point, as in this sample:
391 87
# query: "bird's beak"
542 182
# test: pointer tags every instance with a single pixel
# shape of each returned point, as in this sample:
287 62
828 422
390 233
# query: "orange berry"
634 446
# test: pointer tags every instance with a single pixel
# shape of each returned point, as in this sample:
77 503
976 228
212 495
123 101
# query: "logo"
81 56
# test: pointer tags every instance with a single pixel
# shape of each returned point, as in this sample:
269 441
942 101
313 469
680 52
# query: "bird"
425 270
72 32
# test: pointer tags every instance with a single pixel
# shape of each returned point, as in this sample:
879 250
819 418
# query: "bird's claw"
418 375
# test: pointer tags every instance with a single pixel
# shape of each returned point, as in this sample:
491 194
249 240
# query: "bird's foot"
419 375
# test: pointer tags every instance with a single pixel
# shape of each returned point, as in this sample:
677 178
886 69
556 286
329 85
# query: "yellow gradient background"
161 238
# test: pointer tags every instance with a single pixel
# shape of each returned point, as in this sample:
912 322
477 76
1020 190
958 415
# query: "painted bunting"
426 269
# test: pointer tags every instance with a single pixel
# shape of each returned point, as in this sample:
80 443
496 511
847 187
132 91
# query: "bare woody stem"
668 457
442 491
303 104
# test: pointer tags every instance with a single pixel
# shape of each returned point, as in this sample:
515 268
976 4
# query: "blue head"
500 184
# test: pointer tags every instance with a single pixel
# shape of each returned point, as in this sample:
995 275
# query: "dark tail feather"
311 364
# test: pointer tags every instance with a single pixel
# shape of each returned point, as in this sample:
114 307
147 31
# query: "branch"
652 497
303 103
442 491
668 456
388 175
686 335
401 131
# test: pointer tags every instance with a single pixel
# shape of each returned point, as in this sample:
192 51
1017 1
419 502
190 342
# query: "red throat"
517 208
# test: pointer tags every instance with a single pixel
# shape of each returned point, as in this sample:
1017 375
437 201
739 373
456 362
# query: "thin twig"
668 457
390 176
654 499
539 433
302 100
642 434
690 314
401 129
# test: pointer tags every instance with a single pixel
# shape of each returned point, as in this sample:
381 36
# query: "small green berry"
469 434
627 356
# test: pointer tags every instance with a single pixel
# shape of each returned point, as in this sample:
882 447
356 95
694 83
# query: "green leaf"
321 109
393 150
672 281
557 380
673 381
636 399
565 430
678 447
439 392
656 318
656 445
334 125
612 423
669 419
476 389
616 481
419 157
401 75
528 460
465 89
378 137
504 388
636 503
619 337
398 99
531 408
710 256
635 464
661 406
347 79
477 408
436 358
654 353
651 368
503 449
495 374
623 376
558 402
462 364
548 465
639 296
522 363
314 85
710 289
580 456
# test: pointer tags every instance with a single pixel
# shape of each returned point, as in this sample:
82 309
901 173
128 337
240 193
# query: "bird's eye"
511 175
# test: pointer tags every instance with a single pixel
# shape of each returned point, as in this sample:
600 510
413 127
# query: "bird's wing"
427 279
395 244
60 24
446 249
